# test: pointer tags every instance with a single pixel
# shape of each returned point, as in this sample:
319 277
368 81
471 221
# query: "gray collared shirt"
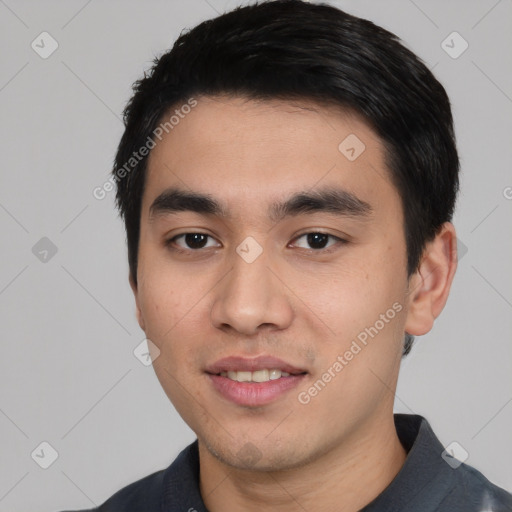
428 482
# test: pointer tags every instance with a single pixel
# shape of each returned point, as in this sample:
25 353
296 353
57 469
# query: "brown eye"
316 240
193 241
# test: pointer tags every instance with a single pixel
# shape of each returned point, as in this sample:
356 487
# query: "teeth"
257 376
243 376
260 376
274 374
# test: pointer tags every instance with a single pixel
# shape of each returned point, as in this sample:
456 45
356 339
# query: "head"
270 122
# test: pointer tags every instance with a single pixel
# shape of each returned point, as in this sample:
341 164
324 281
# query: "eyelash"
339 241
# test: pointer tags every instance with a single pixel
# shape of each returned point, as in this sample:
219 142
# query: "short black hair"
294 50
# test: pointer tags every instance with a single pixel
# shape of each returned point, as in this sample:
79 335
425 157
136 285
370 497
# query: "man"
287 178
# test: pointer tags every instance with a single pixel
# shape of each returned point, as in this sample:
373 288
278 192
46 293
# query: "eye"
316 240
193 241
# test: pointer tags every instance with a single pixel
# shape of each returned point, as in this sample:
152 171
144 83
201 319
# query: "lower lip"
253 394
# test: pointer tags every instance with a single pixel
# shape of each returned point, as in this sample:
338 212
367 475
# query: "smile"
257 376
253 382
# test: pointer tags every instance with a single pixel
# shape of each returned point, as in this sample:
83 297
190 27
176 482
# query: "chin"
257 455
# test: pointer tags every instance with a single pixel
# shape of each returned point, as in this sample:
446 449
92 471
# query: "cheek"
164 291
171 313
350 297
160 307
164 300
175 307
364 311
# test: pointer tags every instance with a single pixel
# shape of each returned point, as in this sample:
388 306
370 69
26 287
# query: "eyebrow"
331 200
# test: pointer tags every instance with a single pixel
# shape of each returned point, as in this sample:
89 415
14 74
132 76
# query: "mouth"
254 382
264 375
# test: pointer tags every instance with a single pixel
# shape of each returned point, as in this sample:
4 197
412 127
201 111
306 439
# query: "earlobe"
138 311
430 285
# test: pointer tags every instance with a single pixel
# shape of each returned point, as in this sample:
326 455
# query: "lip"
239 363
253 394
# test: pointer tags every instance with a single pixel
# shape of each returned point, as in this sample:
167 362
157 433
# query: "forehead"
248 152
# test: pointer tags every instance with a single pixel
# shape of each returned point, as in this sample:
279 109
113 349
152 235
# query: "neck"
345 479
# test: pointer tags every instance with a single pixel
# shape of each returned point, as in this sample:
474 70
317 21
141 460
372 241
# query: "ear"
138 311
430 285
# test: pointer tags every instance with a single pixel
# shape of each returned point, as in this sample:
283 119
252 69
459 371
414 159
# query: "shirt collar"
423 469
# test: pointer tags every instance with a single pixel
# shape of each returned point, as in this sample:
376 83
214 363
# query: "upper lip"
239 363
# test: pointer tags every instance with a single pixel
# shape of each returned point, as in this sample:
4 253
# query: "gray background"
67 369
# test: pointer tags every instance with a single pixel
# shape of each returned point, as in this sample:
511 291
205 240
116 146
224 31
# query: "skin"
301 304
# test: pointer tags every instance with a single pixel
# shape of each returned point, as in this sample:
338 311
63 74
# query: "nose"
251 298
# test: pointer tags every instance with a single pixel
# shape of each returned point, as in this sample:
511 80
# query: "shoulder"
139 496
167 489
432 479
473 491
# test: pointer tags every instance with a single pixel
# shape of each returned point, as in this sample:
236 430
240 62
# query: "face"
272 278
